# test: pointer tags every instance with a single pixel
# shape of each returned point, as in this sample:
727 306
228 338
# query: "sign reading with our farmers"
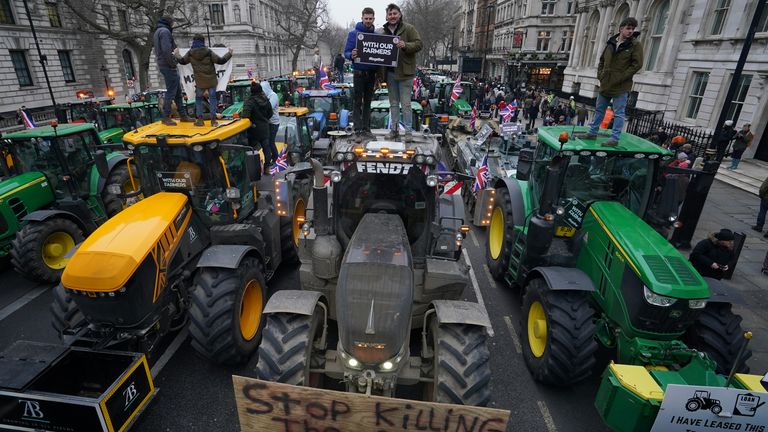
377 49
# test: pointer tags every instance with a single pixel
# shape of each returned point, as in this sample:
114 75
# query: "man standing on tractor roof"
400 78
620 61
166 64
364 75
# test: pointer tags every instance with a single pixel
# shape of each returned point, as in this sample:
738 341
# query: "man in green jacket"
400 78
203 60
621 59
763 207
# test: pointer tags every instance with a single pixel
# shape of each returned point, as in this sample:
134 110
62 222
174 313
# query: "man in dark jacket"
712 255
364 76
400 78
723 137
259 110
203 60
338 65
621 59
763 207
166 64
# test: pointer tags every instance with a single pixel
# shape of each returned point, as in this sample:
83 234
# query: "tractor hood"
107 259
11 185
230 111
655 261
375 290
112 135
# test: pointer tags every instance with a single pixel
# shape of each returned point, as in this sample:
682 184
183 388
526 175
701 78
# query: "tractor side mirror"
100 157
253 165
524 164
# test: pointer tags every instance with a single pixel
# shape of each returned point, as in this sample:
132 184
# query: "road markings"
172 348
22 301
490 278
474 239
546 416
478 294
513 333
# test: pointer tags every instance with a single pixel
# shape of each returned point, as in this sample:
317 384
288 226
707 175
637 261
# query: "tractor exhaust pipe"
542 225
320 199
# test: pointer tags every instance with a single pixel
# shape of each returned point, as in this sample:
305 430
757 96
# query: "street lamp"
207 29
105 72
61 116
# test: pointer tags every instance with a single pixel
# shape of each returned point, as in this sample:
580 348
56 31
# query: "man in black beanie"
711 256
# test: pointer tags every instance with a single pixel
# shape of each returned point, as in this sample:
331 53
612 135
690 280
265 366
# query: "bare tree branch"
300 22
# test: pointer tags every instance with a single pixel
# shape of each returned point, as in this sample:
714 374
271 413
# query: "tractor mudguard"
461 312
293 301
111 163
721 293
452 206
224 256
516 197
43 215
563 278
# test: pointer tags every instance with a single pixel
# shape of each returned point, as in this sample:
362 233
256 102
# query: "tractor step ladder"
518 248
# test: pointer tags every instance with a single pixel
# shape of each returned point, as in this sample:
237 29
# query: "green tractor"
86 110
568 231
239 92
116 120
60 187
440 99
380 114
283 86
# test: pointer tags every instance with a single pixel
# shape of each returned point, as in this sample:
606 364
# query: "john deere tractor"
568 230
61 186
380 114
440 99
381 262
238 92
199 248
116 120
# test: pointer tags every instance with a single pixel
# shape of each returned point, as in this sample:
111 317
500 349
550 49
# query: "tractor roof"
381 105
127 105
240 83
627 144
186 133
320 93
293 111
279 79
48 131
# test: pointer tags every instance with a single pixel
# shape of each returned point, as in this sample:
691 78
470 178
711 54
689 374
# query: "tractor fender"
111 163
461 312
452 206
226 256
721 293
293 301
516 197
43 215
563 278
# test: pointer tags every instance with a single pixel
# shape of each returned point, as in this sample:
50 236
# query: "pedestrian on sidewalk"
621 59
763 194
742 142
166 64
711 256
722 138
203 61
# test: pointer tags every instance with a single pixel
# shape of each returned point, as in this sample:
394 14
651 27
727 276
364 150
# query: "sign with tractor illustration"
693 408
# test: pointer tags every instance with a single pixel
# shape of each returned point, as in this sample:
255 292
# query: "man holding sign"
203 60
400 78
365 75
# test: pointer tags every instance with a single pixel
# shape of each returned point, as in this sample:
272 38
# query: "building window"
53 13
659 24
6 14
569 7
734 111
122 16
762 25
542 44
566 42
719 15
523 11
696 94
130 72
548 7
589 49
66 66
252 15
19 59
217 14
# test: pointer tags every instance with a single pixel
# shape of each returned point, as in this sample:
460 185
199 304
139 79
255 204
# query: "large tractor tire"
287 348
558 334
64 311
290 229
718 333
225 316
501 235
119 175
40 248
461 371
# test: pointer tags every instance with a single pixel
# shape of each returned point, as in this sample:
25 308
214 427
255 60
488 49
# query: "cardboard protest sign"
377 49
223 72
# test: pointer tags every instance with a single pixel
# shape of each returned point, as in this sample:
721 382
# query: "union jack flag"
325 83
417 88
456 92
481 178
507 112
473 117
29 122
281 163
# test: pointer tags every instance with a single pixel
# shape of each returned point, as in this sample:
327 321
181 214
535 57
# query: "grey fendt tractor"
385 265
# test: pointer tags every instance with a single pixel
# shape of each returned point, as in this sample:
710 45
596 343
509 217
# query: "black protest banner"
377 49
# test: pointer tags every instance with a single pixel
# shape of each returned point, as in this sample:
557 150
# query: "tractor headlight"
393 363
672 219
352 362
335 176
339 157
430 160
697 304
419 159
431 181
197 147
213 144
348 360
387 365
657 300
349 156
233 193
130 147
114 189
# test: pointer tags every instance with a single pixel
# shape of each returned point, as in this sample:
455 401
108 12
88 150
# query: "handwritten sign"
377 49
484 133
268 406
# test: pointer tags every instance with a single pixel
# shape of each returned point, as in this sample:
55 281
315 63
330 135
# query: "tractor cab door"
77 153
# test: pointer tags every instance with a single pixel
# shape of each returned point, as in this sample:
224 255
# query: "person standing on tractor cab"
338 65
364 76
274 121
258 110
622 58
166 64
711 256
400 78
317 62
203 59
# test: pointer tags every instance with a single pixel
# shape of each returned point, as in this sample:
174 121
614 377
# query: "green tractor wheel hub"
537 329
55 249
496 233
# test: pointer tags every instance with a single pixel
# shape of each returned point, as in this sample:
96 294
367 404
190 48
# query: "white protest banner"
223 72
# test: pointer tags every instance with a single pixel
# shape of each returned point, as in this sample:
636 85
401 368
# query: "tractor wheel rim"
496 233
55 249
298 212
537 329
251 306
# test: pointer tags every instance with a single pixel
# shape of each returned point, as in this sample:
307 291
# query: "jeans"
339 75
172 91
199 101
400 92
619 104
761 213
273 128
736 158
363 82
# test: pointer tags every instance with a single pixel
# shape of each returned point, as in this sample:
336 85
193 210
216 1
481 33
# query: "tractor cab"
440 99
284 88
86 110
381 94
294 136
380 114
326 108
305 81
237 93
348 94
115 120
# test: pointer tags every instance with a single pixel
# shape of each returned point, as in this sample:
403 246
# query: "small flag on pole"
325 83
456 92
29 122
482 176
281 163
473 117
506 113
417 88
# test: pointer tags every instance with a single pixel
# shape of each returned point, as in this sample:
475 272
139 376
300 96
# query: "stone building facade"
691 48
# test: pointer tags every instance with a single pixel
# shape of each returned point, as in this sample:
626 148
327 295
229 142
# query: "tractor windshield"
320 104
466 91
305 82
294 133
117 118
240 93
82 113
379 119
